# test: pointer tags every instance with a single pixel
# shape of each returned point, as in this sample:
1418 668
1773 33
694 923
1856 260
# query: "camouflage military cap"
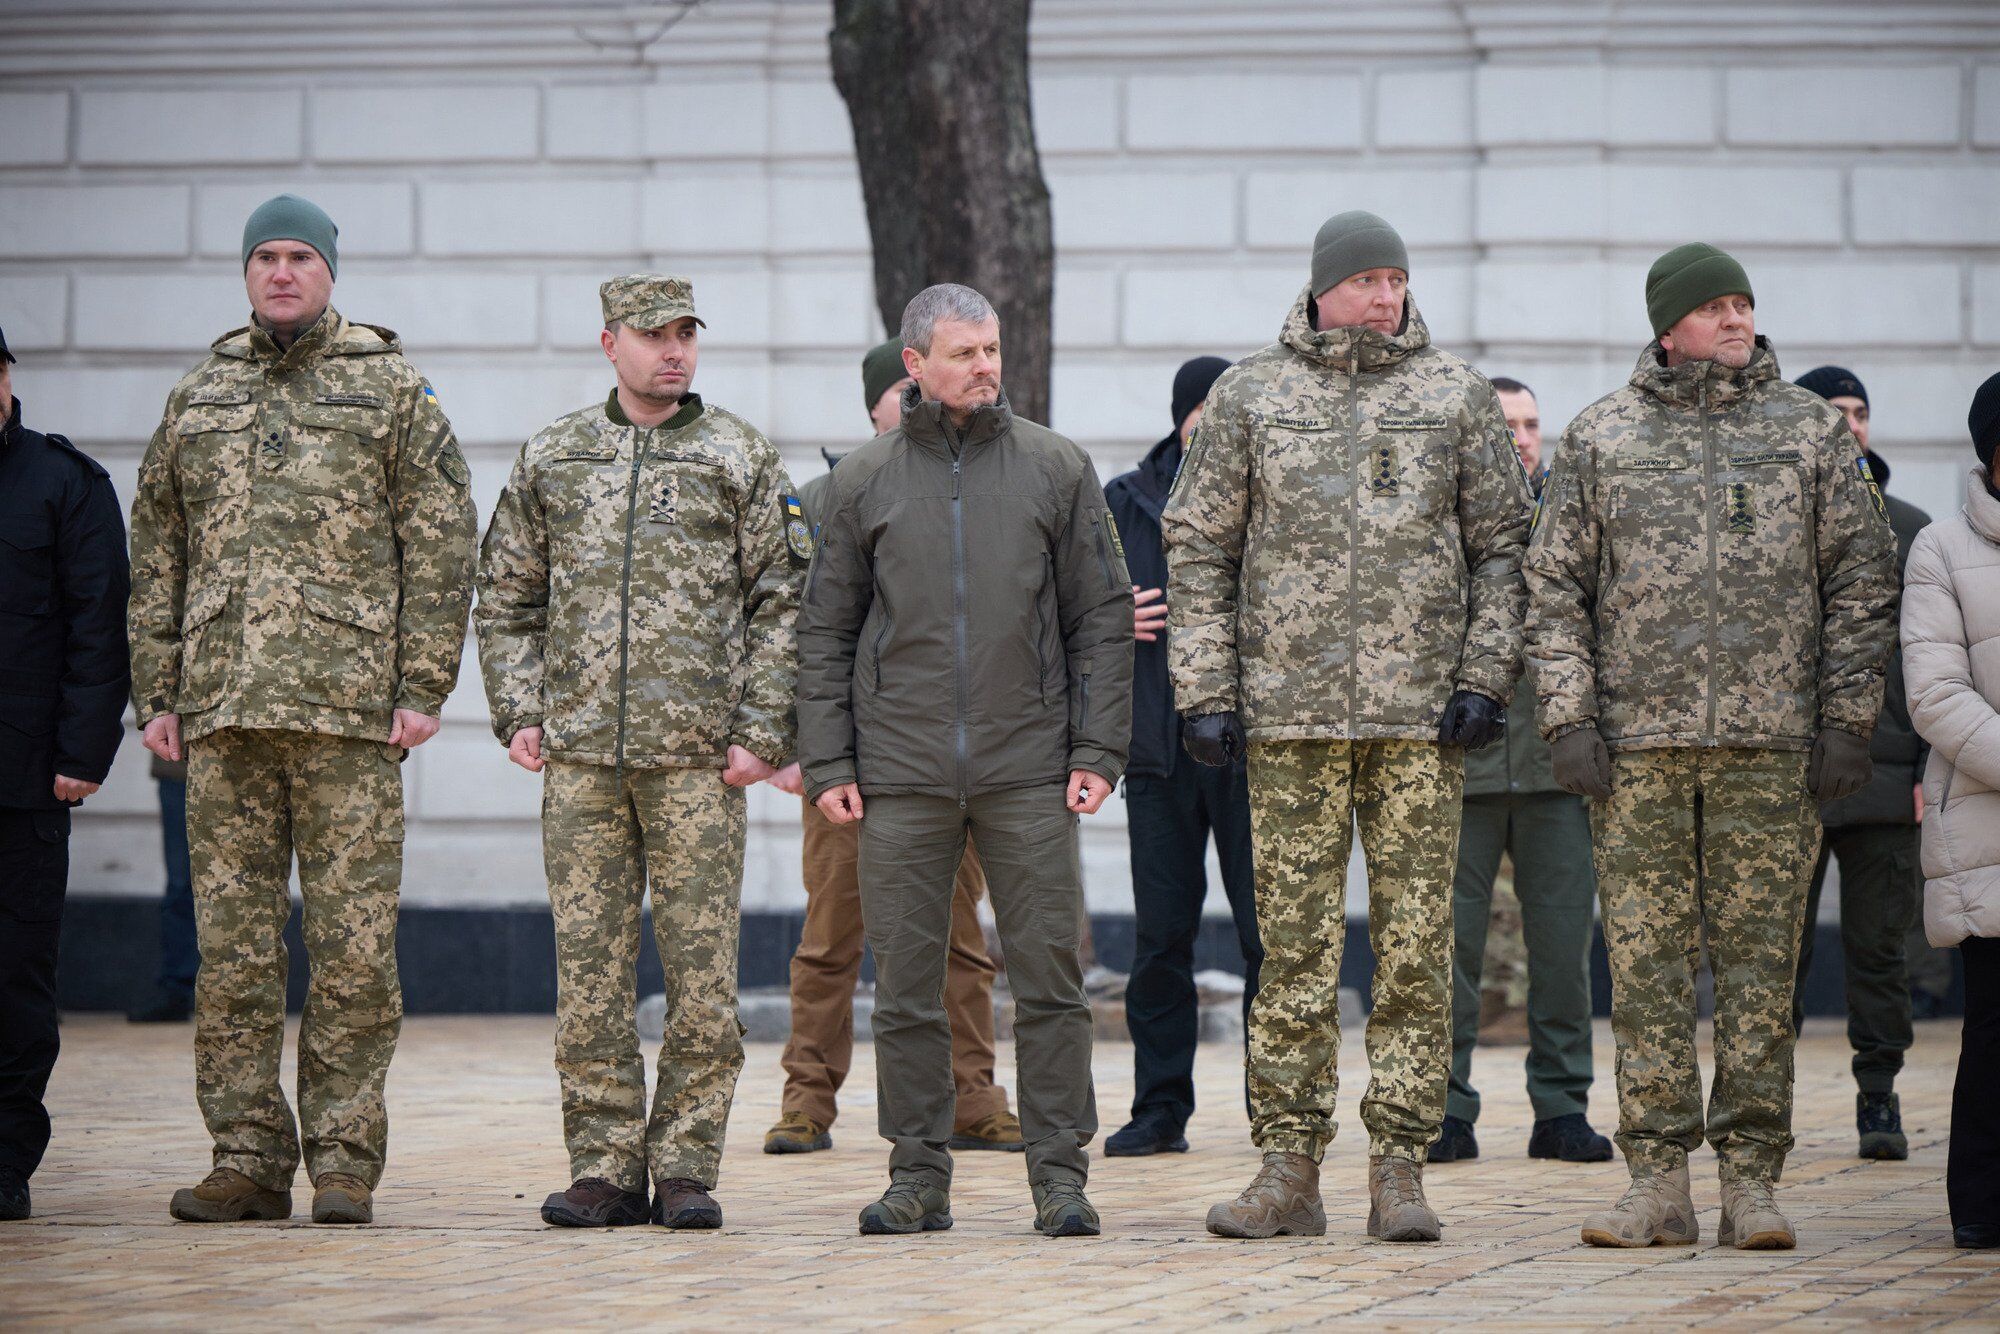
648 300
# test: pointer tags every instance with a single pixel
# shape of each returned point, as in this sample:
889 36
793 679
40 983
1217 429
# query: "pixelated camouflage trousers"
1716 844
255 799
604 839
1306 797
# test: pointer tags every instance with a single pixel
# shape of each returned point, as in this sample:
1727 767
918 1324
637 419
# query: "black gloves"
1214 739
1839 766
1472 720
1582 764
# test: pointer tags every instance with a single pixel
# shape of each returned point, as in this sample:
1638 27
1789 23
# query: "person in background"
1173 805
1874 835
180 954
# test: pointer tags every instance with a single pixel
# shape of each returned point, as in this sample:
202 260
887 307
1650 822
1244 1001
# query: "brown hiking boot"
1282 1200
340 1198
1655 1210
681 1203
797 1133
1000 1131
1750 1218
1397 1210
594 1202
227 1196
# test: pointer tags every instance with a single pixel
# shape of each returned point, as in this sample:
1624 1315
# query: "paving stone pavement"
475 1144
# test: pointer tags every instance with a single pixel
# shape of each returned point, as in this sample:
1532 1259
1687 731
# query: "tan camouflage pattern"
254 799
1710 565
605 837
637 592
648 300
1344 539
1712 844
1306 797
302 540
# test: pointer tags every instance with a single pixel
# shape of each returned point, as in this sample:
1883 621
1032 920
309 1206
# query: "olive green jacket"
302 540
637 588
1344 539
1710 565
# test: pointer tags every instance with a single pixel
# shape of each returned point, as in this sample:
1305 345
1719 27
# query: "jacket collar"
1689 384
925 422
1982 508
1353 347
689 409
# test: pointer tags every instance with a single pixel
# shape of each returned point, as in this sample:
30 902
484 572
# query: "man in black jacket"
1172 806
1873 834
64 676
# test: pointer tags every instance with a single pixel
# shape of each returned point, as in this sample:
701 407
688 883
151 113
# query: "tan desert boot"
1282 1200
1397 1210
1655 1210
1750 1218
340 1198
227 1196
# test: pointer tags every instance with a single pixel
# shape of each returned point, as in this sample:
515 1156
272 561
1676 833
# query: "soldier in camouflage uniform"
1712 596
637 587
302 544
1344 545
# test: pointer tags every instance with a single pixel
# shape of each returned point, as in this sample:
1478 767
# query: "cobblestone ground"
475 1145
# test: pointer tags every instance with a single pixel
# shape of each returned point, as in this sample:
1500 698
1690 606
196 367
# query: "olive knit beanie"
881 367
290 218
1688 276
1349 243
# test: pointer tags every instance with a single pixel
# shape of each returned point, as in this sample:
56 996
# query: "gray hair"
944 301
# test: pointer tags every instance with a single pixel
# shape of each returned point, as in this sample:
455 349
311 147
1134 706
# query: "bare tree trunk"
944 132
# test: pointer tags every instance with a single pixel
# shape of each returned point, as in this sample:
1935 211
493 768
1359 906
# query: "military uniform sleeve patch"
1868 480
798 537
1111 531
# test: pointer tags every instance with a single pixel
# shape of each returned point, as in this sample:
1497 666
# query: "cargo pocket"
340 451
27 563
347 642
206 649
38 869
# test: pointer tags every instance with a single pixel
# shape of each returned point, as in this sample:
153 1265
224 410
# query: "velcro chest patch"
1410 421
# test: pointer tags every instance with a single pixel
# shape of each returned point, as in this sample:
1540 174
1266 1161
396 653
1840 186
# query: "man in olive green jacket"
1712 599
965 666
301 568
637 588
1343 548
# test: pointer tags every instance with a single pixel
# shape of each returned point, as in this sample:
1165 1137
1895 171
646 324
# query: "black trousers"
1972 1169
1169 821
1881 893
34 871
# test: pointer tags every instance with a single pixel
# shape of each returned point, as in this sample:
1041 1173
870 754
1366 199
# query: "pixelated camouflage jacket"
1710 565
637 588
302 539
1344 539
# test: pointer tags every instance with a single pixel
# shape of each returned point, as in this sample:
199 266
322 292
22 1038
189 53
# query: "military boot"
1655 1210
1397 1210
1000 1132
797 1133
684 1204
340 1198
1879 1118
1750 1217
1282 1200
16 1202
227 1196
1062 1211
911 1204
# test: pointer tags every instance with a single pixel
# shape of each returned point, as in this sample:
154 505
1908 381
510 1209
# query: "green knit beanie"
881 368
1349 243
290 218
1688 276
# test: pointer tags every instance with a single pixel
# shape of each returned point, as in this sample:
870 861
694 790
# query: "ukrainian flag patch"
798 536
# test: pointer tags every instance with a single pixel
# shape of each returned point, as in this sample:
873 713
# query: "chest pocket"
341 449
1762 504
1408 469
27 562
215 445
687 491
1300 470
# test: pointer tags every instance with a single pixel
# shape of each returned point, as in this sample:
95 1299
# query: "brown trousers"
828 963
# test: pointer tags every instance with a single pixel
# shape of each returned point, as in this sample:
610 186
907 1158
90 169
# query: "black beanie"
1834 382
1192 382
1984 421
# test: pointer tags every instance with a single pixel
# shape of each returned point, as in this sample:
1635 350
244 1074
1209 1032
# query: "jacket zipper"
625 598
1083 720
1708 522
958 611
1354 520
1104 551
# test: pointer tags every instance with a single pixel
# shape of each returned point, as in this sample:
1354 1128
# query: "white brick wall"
1849 155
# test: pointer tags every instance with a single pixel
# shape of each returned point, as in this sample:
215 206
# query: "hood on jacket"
1982 508
925 422
1683 386
1365 347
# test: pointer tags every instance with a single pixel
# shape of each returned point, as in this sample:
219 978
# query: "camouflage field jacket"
302 540
1344 539
637 588
1710 565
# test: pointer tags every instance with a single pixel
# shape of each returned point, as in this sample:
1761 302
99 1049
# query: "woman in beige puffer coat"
1951 663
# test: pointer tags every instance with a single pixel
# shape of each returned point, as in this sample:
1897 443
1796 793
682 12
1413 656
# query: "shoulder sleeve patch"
798 536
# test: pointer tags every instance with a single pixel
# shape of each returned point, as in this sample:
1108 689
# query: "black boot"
1976 1236
1879 1118
167 1007
1570 1139
1454 1143
14 1201
1145 1135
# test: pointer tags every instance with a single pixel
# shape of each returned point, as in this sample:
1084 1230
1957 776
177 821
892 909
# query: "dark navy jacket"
1136 499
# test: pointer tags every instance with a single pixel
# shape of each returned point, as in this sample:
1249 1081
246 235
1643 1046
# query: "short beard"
1736 361
654 397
